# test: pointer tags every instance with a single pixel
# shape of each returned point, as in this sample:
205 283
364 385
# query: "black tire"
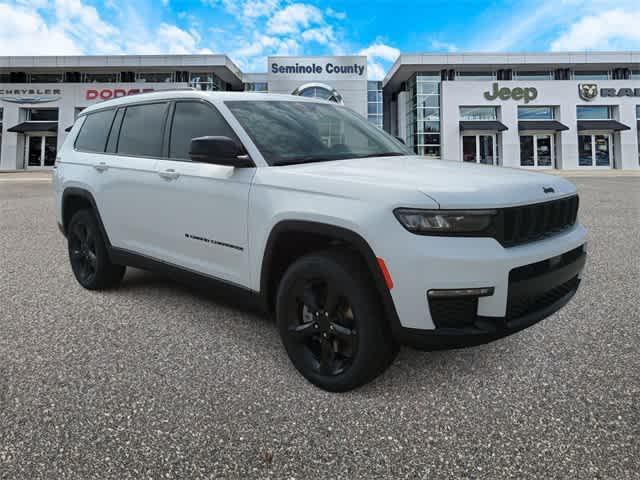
88 253
331 321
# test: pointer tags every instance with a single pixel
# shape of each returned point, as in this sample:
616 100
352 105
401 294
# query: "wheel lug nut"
315 325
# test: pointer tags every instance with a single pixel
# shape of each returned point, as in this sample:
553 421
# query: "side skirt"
222 289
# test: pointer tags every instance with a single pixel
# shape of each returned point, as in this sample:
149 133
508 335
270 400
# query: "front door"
205 205
480 148
595 150
537 150
41 151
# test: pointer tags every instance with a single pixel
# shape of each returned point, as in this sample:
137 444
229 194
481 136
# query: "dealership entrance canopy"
541 110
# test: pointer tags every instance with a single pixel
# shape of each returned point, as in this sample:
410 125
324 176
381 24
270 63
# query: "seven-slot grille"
532 222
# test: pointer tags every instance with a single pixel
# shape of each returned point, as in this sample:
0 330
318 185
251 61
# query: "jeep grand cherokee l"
353 242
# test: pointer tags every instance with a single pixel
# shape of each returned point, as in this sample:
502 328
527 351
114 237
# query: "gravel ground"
158 380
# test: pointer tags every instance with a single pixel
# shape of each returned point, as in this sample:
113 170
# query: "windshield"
288 132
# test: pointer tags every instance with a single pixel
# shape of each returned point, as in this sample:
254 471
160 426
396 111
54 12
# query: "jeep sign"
517 93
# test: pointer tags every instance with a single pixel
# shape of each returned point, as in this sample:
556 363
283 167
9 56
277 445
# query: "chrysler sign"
30 95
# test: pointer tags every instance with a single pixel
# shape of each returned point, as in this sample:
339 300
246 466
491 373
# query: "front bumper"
555 287
426 263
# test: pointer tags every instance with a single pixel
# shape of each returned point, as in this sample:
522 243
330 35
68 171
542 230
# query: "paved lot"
162 381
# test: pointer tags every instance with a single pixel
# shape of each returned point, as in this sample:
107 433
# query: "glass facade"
536 113
260 87
101 77
594 112
534 75
155 77
423 114
478 113
206 81
374 103
476 75
592 75
42 114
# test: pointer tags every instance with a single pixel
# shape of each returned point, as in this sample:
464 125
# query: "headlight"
446 222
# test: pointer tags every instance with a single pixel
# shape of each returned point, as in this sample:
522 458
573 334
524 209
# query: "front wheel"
330 321
88 254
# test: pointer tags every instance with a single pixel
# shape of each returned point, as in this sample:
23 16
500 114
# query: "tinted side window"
94 131
141 131
195 119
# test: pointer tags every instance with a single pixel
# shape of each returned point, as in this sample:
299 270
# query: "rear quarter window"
94 131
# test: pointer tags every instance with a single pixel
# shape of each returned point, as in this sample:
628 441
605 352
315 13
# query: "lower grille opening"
524 304
454 312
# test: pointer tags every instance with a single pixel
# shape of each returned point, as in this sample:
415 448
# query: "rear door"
204 206
128 190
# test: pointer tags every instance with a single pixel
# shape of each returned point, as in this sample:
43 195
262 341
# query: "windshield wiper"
383 154
293 161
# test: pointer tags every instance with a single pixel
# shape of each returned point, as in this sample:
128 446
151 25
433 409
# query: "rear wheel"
88 253
330 321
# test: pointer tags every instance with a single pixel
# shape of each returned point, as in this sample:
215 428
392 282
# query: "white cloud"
30 35
334 14
612 29
380 50
293 18
379 56
443 46
321 35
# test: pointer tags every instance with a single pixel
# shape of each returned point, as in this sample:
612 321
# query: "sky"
250 30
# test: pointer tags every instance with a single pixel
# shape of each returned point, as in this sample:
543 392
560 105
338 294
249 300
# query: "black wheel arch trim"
87 195
335 232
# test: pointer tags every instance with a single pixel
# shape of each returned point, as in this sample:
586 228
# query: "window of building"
155 77
42 114
537 150
205 81
634 75
94 131
141 130
481 148
101 77
594 112
5 78
374 103
479 113
536 113
192 120
534 75
256 87
475 75
46 77
423 114
591 75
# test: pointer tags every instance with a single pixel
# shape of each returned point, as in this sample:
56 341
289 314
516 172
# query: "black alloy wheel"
322 323
331 322
88 253
82 252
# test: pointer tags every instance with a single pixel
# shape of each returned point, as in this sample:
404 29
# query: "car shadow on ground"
414 369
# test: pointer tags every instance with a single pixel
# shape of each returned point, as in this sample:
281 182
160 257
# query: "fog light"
461 292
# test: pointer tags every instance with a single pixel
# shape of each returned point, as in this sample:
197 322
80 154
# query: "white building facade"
544 111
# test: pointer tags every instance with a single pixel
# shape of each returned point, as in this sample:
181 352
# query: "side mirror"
219 151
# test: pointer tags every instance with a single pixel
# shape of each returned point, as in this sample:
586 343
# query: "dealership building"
539 110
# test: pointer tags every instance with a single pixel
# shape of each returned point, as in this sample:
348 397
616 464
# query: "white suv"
353 242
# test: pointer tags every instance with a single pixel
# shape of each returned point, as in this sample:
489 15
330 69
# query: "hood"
450 184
